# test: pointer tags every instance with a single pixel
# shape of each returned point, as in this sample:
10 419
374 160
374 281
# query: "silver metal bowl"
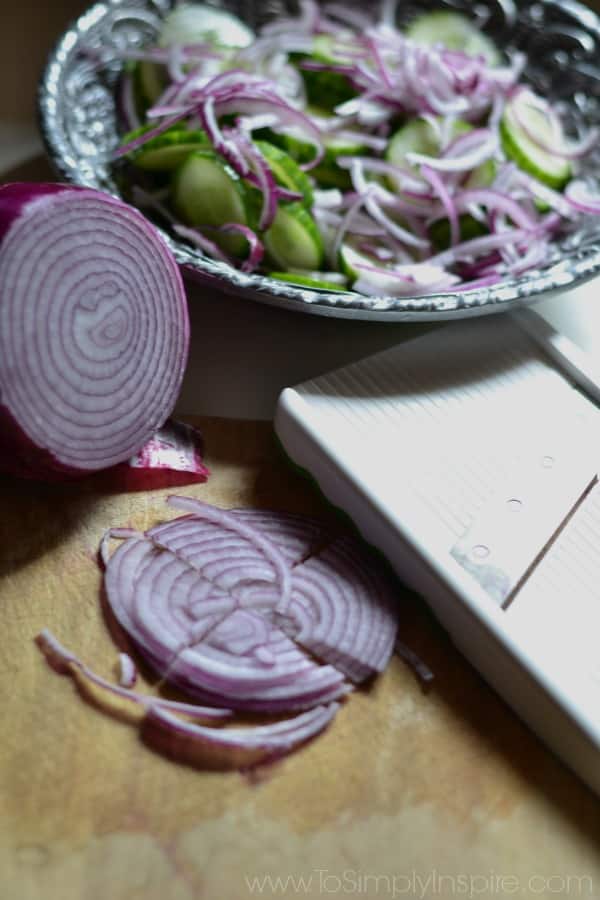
79 123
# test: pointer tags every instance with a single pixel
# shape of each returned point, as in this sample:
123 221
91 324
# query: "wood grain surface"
407 794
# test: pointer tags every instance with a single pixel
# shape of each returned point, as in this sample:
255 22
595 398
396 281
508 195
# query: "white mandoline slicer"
470 457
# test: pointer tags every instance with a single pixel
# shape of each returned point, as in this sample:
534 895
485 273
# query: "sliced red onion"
461 156
255 245
176 605
62 660
476 283
495 201
306 22
249 124
408 181
447 201
248 609
354 18
127 671
315 65
561 147
391 76
388 15
379 60
127 103
361 186
115 534
418 666
535 188
202 242
162 55
367 140
175 63
343 609
535 255
223 519
296 536
480 246
242 747
579 196
226 147
266 45
93 330
222 574
177 95
349 222
257 163
330 198
142 139
416 279
154 200
368 111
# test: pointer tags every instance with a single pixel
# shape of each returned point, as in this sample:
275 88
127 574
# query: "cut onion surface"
94 331
251 610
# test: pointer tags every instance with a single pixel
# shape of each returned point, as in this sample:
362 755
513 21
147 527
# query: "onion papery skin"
173 457
94 331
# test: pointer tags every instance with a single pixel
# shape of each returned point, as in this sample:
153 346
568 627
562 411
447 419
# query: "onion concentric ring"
246 610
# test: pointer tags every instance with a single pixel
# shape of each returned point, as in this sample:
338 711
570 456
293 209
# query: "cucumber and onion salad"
339 152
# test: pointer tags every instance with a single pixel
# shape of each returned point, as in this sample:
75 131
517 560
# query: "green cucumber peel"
307 281
294 241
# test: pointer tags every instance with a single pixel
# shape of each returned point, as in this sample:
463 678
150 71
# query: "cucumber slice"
328 89
143 129
150 82
324 88
339 146
483 176
299 149
206 191
167 151
349 258
294 241
454 31
188 24
194 23
292 139
332 176
286 171
417 136
420 136
470 227
307 281
327 173
552 170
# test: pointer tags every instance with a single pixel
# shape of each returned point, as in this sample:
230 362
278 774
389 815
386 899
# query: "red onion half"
248 610
93 331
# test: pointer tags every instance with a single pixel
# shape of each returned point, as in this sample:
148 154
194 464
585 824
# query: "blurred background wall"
27 30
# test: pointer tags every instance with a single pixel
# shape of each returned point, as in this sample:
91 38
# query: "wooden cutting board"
407 794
